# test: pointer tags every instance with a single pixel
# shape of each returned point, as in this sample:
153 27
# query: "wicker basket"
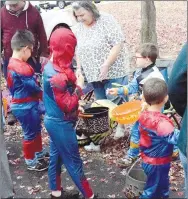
135 181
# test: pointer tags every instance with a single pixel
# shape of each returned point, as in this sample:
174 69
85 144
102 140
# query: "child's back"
155 131
157 137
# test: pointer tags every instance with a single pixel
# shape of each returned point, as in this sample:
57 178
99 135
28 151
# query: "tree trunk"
148 18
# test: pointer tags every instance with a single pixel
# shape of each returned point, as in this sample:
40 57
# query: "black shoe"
40 166
11 120
46 156
67 195
95 197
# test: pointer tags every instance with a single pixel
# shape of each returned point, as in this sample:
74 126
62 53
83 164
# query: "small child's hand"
144 106
81 109
112 91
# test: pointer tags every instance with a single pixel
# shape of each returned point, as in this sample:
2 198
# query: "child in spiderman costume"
157 139
26 93
61 95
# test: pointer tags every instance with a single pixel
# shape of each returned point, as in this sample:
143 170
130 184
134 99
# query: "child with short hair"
146 56
26 93
157 138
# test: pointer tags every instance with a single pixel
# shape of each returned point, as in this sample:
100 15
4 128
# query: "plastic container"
135 181
128 112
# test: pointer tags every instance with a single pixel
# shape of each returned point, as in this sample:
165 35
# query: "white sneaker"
92 147
120 131
82 137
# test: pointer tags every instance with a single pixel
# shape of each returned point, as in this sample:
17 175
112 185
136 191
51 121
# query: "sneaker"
46 156
92 147
82 137
126 162
40 166
11 120
67 195
120 132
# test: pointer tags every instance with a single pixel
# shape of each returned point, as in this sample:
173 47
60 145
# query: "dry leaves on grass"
34 190
171 28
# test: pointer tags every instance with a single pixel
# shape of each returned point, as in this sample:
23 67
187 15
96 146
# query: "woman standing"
101 51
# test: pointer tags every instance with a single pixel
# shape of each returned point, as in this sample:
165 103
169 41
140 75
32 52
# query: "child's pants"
134 142
64 150
31 125
157 184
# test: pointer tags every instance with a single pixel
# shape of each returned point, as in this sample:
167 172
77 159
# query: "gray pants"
6 186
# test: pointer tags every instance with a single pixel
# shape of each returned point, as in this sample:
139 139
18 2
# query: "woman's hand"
80 80
78 72
104 72
43 60
80 109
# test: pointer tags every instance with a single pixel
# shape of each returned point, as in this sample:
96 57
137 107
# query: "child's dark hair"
154 91
22 38
148 50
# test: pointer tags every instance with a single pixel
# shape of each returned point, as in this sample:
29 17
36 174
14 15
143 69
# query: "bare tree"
148 18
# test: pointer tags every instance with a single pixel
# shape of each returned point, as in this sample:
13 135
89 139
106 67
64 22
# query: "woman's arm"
114 52
78 63
112 57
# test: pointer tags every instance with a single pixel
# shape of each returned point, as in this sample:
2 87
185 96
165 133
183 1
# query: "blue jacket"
177 87
139 79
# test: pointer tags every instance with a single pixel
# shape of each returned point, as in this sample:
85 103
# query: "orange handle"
5 106
83 115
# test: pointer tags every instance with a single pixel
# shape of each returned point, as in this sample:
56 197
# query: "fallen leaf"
180 193
70 188
112 196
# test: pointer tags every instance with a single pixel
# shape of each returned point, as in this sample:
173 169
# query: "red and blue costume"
61 96
26 93
157 138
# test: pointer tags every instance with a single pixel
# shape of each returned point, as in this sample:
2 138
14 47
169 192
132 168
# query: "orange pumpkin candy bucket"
128 112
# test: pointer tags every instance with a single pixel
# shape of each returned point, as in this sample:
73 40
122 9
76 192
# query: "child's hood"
62 48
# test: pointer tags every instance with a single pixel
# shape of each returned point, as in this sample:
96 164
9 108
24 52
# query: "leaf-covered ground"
171 23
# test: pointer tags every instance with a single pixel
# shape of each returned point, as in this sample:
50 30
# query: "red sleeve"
65 100
43 49
165 127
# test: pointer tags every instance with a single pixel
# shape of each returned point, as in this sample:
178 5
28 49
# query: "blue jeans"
183 159
101 87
